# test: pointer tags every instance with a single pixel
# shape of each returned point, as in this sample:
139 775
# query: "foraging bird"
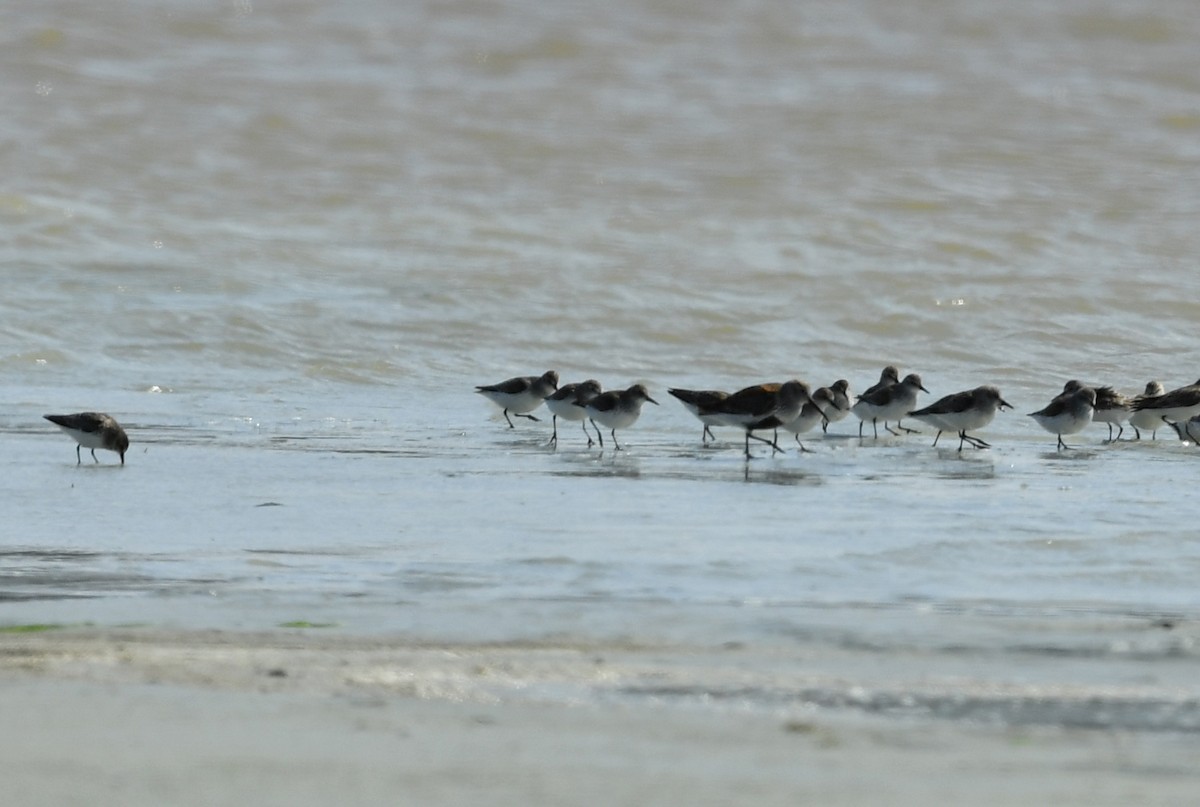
888 403
962 412
1067 413
1148 418
762 406
1180 404
818 410
1112 408
93 430
520 395
887 378
837 396
616 409
564 404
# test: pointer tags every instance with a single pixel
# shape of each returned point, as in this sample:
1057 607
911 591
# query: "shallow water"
281 245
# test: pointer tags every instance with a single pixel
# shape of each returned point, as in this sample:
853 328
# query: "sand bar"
300 718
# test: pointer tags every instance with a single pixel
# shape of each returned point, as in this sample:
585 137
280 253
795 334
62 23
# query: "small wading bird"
818 410
762 406
1067 413
1145 419
1112 408
521 395
616 409
1179 405
888 403
838 397
887 378
93 430
565 404
962 412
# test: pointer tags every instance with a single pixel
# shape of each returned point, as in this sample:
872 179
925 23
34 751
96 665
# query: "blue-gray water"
282 244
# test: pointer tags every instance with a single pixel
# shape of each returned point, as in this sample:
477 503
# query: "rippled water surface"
282 243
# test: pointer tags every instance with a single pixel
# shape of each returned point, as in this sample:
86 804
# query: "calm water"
282 243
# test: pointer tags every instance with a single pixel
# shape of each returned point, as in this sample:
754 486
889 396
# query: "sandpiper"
962 412
888 403
694 399
1146 419
1068 413
890 376
616 409
834 401
93 430
520 395
563 403
818 410
793 396
762 406
1180 404
1112 408
887 378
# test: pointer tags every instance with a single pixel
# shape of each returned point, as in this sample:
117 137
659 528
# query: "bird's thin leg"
78 459
599 436
974 442
588 435
94 458
772 443
510 423
938 437
554 435
615 443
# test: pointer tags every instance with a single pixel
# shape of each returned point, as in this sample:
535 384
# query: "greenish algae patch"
301 623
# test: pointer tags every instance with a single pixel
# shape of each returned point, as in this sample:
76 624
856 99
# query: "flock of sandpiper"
790 406
793 407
